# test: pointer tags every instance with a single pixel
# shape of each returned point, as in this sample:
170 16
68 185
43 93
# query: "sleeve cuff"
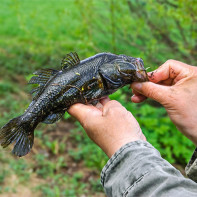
191 168
137 169
128 156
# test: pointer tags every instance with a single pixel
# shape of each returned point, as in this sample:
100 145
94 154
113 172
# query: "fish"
77 81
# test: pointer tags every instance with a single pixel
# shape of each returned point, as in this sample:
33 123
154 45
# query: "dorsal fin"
41 79
70 60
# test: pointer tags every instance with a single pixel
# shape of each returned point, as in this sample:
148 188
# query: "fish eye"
129 59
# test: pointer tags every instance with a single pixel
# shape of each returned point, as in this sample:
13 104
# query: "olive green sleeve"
191 168
138 170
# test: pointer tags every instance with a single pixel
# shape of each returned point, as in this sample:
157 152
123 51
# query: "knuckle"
170 61
112 111
116 111
113 102
113 108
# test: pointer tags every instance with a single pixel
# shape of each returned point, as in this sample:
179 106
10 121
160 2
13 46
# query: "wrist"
111 148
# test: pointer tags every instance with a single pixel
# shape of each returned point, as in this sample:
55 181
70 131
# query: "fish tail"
22 132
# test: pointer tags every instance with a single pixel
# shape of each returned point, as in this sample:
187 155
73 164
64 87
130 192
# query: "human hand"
108 124
174 85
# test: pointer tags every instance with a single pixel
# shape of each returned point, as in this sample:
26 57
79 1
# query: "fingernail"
149 74
137 86
132 97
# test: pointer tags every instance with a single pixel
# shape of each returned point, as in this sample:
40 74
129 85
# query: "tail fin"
19 131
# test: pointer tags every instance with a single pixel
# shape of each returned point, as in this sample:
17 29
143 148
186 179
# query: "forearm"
137 169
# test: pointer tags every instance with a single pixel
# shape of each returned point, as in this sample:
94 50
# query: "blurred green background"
37 34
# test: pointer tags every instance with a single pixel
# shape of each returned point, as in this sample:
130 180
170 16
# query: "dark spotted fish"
84 81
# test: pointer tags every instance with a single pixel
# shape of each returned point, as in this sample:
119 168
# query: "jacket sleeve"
191 168
137 169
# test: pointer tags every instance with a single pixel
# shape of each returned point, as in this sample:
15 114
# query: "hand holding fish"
108 124
174 86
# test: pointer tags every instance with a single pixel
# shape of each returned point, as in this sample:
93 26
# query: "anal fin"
53 117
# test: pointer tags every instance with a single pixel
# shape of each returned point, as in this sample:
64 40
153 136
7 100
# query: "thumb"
155 91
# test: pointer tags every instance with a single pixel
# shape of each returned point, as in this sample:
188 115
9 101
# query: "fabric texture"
191 168
137 169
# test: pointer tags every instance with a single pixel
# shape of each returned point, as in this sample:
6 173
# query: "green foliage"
46 168
53 146
3 174
57 187
96 185
86 150
6 88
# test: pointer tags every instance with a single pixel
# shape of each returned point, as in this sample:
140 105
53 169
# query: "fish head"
130 69
123 70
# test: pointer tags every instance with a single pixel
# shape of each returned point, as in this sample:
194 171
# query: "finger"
81 112
167 82
138 99
138 94
105 100
152 90
170 69
135 92
109 105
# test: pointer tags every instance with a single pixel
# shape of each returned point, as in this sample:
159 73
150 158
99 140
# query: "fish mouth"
142 75
141 71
